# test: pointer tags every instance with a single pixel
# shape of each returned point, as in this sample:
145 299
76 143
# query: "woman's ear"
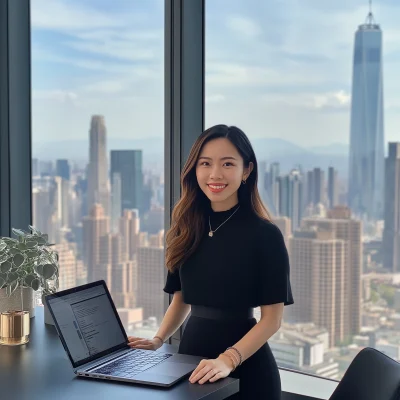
247 171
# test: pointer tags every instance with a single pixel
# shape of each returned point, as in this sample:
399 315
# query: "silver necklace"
211 233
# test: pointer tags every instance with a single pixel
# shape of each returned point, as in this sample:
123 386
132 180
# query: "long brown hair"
187 220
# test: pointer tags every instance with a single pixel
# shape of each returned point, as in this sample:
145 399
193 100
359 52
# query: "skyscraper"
63 169
318 269
391 233
343 227
115 201
290 197
366 163
95 226
151 277
316 186
98 191
128 163
333 190
272 188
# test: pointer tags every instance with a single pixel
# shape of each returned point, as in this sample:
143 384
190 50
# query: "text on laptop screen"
87 322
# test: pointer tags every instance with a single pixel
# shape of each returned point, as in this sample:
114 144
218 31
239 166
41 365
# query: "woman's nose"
216 173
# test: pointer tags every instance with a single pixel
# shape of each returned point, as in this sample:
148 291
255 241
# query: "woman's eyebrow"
222 158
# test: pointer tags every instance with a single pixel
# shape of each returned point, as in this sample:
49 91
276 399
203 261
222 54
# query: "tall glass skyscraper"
366 169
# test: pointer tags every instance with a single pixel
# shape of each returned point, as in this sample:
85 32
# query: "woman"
225 257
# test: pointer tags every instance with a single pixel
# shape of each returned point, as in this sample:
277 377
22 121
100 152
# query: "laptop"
96 343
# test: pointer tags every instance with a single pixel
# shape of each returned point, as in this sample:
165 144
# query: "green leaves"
48 271
32 281
5 267
18 259
3 245
35 284
28 261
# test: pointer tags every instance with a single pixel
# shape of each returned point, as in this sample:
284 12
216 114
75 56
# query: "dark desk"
40 370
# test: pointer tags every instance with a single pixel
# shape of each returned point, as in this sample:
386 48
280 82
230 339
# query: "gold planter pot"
14 328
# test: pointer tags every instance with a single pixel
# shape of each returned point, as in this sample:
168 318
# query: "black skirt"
259 375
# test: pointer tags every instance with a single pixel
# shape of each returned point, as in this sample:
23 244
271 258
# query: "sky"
277 68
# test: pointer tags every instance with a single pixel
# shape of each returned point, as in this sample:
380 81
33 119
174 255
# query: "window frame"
15 116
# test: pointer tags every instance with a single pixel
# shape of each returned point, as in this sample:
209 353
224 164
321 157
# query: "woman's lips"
217 188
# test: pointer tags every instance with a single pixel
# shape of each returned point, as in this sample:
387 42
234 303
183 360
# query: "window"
97 133
305 81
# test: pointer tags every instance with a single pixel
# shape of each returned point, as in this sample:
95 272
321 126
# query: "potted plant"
27 265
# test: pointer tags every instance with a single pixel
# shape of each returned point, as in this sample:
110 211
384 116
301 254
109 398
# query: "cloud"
220 74
61 96
215 98
117 49
336 100
243 26
313 101
59 15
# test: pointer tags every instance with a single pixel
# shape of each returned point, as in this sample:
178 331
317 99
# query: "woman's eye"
204 163
228 164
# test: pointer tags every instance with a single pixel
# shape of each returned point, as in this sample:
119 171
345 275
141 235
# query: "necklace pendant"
211 234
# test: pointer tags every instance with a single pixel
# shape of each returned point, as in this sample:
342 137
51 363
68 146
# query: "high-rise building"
95 225
40 209
318 277
129 164
119 273
129 228
333 189
366 163
63 169
272 188
391 232
115 201
67 262
151 277
316 186
35 167
97 174
349 230
290 197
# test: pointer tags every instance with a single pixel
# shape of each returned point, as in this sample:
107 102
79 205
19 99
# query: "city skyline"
308 80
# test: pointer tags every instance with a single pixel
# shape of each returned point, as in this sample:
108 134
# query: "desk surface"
41 370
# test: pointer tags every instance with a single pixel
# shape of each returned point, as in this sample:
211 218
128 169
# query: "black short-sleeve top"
244 264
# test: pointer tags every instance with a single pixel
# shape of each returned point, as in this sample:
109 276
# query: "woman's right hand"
146 344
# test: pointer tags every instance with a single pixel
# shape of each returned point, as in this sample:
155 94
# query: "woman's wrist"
231 361
159 340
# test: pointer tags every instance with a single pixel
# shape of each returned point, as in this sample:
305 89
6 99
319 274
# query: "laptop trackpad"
172 369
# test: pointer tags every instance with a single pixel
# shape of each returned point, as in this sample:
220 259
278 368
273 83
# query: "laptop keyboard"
135 362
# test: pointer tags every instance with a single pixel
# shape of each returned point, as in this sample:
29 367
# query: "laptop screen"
87 322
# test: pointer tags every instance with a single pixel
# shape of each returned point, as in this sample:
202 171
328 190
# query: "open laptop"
96 343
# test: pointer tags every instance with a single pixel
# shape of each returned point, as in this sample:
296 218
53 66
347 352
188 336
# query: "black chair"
371 376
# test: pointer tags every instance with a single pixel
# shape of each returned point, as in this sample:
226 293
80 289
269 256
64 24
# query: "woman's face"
220 171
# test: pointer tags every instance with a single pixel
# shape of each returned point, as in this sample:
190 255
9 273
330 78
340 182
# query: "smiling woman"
97 177
225 257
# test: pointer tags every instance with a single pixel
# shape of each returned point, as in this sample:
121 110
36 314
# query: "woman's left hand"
211 370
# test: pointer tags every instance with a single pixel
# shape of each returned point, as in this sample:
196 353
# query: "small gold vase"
14 328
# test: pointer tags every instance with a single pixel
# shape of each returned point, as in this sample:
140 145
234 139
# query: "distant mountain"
78 149
286 153
334 148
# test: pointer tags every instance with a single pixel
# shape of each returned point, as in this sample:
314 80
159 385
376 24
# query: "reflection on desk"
41 370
